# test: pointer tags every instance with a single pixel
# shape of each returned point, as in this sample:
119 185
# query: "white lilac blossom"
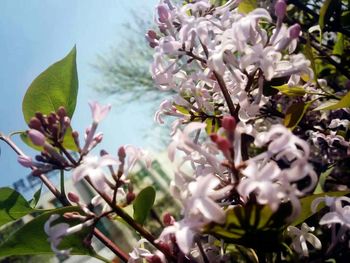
264 183
93 167
301 237
135 154
339 211
203 196
98 112
272 184
338 218
57 232
226 42
139 253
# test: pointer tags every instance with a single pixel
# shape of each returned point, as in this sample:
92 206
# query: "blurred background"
113 66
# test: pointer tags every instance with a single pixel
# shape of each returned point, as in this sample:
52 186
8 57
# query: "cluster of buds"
52 127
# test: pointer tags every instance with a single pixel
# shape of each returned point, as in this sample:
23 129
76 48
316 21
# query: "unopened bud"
228 123
152 34
34 123
61 112
98 137
52 118
36 137
294 31
121 153
280 9
213 137
163 13
103 152
168 219
153 259
130 197
73 197
223 144
25 161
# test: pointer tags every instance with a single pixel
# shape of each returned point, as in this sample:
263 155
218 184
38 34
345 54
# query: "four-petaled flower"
92 166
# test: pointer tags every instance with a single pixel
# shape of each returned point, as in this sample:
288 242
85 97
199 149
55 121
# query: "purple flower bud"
73 197
103 152
213 137
168 219
154 259
121 153
61 112
25 161
34 123
98 137
228 123
223 144
36 137
294 31
130 197
152 34
163 13
280 9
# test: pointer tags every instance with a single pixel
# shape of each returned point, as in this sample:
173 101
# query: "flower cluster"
250 147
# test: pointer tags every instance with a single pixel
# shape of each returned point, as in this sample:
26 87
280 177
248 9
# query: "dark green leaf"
254 226
246 6
336 104
324 13
294 114
36 197
55 87
290 91
31 239
143 204
12 205
306 205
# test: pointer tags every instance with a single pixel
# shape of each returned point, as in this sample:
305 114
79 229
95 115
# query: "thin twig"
63 200
130 221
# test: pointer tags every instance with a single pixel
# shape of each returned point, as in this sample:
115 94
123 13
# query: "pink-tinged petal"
98 111
211 210
193 126
78 173
184 239
108 160
331 218
25 161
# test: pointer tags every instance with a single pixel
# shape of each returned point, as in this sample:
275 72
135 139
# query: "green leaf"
55 87
339 45
36 197
212 125
31 239
143 204
295 113
324 13
290 91
246 6
12 205
344 102
254 226
322 180
310 56
306 205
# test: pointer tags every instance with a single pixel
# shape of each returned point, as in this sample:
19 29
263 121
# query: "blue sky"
33 35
